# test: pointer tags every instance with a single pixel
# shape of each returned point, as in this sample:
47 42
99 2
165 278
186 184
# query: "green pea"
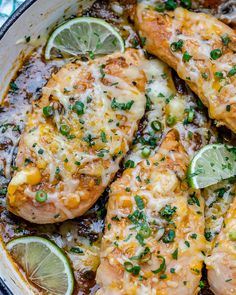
41 196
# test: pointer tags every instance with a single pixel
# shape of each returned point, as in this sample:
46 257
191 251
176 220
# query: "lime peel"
44 263
212 164
85 35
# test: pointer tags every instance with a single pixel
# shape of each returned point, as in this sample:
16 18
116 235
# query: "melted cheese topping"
154 229
165 103
218 198
205 59
76 165
221 264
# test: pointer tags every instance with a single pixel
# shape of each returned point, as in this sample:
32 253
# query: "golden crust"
200 34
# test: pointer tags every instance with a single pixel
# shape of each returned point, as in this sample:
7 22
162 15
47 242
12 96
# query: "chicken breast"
221 264
154 234
76 136
218 198
202 51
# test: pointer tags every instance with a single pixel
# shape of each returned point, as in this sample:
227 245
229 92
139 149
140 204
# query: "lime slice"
44 264
212 164
84 35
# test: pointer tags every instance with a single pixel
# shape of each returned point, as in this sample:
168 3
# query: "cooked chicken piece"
221 264
218 199
170 104
76 136
201 49
154 234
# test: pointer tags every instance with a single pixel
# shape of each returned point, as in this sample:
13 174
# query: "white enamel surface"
36 20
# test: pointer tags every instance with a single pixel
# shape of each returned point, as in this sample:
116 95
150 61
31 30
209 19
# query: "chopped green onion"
169 236
160 7
103 137
175 254
170 4
139 202
232 236
91 55
186 56
140 239
146 152
167 212
145 231
201 284
208 236
228 108
225 39
232 72
175 46
64 129
48 111
40 151
186 3
132 269
170 121
121 105
143 257
187 243
204 76
76 250
216 53
128 266
78 107
156 125
162 266
193 236
219 75
191 115
41 196
129 164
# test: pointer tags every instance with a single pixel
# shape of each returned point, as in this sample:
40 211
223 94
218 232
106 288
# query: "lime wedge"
44 264
84 35
212 164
